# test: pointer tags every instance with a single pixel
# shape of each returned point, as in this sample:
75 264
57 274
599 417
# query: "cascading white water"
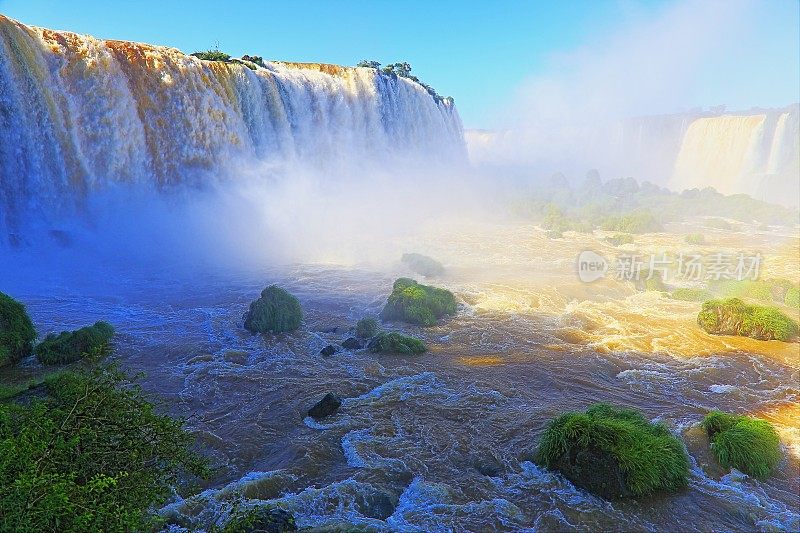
79 113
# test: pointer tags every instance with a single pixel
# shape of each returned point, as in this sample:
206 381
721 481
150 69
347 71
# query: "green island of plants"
276 311
17 333
748 444
70 346
614 452
418 304
735 317
393 342
90 454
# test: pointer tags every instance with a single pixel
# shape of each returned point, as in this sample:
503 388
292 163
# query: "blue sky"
482 53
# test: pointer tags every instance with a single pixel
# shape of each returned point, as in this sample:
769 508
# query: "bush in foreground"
93 455
275 311
394 342
750 445
418 304
734 317
423 265
70 346
367 327
16 331
614 452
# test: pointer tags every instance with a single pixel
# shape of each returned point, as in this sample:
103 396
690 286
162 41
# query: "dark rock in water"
596 471
331 329
328 405
489 467
15 241
328 350
60 237
236 357
262 520
377 505
352 343
275 311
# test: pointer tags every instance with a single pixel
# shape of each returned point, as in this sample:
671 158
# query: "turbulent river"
404 451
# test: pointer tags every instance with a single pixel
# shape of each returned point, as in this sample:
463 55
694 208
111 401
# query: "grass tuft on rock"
418 304
735 317
367 327
17 333
614 452
393 342
71 346
748 444
276 311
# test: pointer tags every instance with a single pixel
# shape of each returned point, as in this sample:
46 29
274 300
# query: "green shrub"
619 239
735 317
212 55
70 346
640 221
367 327
275 311
750 445
423 265
614 452
396 343
695 238
691 295
16 331
256 60
369 64
418 304
792 297
93 455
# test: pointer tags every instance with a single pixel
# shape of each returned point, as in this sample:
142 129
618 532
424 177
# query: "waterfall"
78 114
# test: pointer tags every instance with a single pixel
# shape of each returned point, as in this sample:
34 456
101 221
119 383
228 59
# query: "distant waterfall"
78 114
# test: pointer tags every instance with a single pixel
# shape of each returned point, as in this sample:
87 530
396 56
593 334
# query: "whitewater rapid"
78 114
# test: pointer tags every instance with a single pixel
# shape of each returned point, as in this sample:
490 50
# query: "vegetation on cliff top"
275 311
750 445
403 70
92 455
212 55
70 346
418 304
735 317
614 452
17 333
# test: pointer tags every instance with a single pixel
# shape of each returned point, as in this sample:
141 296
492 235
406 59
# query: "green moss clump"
792 298
691 295
367 327
750 445
16 331
212 55
695 238
70 346
394 342
276 311
614 452
619 239
256 60
734 317
418 304
262 518
423 265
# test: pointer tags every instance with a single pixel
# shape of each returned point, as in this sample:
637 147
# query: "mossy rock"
261 519
396 343
276 311
650 281
71 346
367 327
17 333
748 444
423 265
691 295
614 452
735 317
418 304
619 239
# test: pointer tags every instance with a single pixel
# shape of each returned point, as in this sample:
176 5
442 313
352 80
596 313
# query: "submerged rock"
352 343
328 350
489 466
276 311
594 470
328 405
377 505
